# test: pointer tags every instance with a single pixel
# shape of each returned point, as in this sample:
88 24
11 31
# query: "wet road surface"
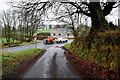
52 64
40 45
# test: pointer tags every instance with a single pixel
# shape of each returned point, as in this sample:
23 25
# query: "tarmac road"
52 64
40 45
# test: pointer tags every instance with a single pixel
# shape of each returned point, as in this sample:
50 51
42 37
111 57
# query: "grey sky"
112 17
3 6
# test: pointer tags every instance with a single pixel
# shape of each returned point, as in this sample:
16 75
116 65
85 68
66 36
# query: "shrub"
18 42
40 38
8 43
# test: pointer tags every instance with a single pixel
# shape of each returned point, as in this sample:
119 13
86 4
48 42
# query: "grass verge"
67 46
13 45
11 61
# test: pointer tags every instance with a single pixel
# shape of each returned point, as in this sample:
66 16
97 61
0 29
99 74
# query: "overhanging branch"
108 8
78 7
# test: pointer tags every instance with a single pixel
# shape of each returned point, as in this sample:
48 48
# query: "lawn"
42 31
11 61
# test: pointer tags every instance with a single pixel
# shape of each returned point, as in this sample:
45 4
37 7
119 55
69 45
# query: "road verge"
11 44
16 66
87 69
74 64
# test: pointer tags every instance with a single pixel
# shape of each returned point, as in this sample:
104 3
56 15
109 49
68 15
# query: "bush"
18 42
40 38
8 43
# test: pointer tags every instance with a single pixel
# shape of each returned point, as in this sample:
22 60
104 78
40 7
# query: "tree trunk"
8 33
99 23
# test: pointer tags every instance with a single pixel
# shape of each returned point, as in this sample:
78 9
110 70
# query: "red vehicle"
49 40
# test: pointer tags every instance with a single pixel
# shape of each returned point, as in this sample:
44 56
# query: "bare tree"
7 25
72 21
14 23
97 11
30 14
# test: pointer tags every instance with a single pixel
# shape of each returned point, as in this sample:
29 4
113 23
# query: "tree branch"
78 7
116 6
108 8
84 12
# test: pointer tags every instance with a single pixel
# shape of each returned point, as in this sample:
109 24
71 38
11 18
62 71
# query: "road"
52 64
40 45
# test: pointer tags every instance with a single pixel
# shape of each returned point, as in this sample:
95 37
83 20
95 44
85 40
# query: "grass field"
42 31
11 61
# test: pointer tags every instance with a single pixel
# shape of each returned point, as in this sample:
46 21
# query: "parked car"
48 41
58 40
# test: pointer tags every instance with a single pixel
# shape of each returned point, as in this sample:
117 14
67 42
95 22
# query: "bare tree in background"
20 27
7 26
96 10
14 23
71 21
30 14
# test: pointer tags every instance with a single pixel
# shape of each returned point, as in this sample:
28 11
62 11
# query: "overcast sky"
112 17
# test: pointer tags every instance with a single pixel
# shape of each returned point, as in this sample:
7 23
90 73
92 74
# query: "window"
59 34
68 34
54 34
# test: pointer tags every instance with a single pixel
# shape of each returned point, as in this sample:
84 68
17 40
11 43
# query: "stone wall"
61 32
